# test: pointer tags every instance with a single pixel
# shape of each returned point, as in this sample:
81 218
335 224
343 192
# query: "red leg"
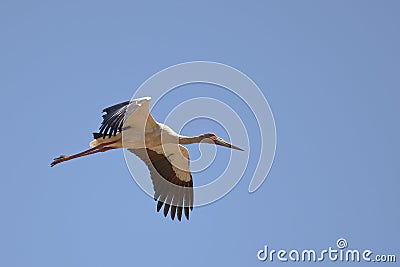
100 148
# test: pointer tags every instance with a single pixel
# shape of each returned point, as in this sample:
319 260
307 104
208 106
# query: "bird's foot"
59 160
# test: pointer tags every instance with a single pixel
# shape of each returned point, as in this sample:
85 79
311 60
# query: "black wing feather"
113 119
171 192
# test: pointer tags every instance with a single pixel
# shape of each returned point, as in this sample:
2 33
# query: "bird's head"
211 138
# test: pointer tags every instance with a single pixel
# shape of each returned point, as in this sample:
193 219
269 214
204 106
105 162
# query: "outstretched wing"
172 180
119 116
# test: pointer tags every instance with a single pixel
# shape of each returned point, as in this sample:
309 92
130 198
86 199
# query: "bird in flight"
130 125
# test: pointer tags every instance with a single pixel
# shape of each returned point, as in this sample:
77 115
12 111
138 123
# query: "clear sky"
329 69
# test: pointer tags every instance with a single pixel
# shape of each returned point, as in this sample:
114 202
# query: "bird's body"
130 125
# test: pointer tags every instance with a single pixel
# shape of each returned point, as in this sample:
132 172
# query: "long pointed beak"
222 142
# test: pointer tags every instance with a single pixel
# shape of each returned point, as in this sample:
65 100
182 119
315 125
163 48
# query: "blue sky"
329 70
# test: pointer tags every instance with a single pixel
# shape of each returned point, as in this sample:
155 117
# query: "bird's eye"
212 136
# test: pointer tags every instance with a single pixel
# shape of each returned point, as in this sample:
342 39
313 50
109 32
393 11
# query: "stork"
130 125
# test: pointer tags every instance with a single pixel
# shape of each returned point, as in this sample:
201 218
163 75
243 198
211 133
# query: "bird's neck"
190 139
